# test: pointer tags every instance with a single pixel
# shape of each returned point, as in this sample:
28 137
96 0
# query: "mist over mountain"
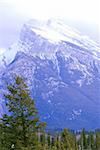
62 69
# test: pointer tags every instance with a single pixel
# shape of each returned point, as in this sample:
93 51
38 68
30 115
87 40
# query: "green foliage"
97 140
68 140
20 127
57 143
83 139
91 141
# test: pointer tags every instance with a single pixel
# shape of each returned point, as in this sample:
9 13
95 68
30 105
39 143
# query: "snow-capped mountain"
62 68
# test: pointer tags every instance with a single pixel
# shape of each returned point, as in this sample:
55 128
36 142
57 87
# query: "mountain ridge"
63 76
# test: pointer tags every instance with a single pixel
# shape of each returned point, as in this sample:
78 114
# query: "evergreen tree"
20 127
97 143
83 140
49 140
43 139
68 140
57 144
91 142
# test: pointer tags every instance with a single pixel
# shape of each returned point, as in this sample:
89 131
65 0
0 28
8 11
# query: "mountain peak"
62 70
56 30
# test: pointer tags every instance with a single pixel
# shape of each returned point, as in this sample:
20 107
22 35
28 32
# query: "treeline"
21 129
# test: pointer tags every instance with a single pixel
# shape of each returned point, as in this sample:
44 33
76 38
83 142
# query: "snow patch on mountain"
56 31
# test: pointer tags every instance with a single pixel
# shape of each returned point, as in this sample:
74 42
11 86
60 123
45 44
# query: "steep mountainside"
62 68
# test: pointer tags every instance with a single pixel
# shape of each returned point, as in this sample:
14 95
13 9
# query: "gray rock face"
62 69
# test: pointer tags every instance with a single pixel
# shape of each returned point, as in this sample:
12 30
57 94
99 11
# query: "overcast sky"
81 14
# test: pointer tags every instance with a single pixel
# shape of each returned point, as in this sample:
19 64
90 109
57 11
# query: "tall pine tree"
20 127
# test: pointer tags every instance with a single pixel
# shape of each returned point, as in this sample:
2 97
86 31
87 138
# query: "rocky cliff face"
62 69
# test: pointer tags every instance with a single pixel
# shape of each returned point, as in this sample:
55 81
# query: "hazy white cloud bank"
87 10
13 13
